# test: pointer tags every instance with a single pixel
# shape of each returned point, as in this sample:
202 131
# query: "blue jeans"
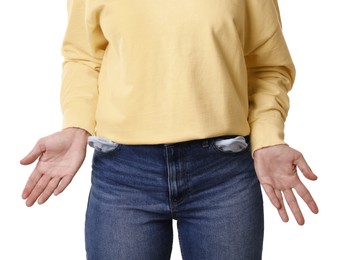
137 190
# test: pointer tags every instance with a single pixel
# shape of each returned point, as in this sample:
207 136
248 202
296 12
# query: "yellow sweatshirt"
156 71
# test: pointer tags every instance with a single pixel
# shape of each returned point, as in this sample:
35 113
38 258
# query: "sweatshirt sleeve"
83 49
271 74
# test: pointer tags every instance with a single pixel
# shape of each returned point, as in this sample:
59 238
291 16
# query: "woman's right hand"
60 157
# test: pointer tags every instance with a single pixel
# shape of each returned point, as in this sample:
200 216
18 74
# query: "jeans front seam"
178 187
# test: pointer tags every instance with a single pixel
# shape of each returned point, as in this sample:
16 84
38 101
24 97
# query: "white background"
30 69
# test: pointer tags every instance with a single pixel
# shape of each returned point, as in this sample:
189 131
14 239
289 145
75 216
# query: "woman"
185 104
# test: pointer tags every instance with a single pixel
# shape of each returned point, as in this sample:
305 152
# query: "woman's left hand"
276 168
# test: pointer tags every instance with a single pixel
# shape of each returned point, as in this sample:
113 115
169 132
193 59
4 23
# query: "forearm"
271 74
83 49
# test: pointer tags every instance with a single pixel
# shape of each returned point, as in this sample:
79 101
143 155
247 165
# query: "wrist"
77 131
269 149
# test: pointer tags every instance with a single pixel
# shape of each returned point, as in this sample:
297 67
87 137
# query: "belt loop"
205 143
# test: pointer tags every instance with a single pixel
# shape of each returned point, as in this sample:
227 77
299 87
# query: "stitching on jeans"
179 237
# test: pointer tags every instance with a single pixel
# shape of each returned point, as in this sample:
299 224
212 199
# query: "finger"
282 210
46 194
307 197
34 154
63 184
271 195
31 183
294 206
305 168
37 190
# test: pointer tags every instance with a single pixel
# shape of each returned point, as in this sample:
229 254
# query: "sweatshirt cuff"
71 119
266 133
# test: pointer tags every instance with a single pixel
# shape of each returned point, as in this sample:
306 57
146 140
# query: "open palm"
276 168
60 156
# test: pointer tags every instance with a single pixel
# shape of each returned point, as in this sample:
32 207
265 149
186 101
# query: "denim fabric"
137 190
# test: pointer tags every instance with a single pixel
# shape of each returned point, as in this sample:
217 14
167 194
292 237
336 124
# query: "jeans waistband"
207 141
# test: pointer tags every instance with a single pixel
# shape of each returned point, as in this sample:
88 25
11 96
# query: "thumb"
34 154
304 167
